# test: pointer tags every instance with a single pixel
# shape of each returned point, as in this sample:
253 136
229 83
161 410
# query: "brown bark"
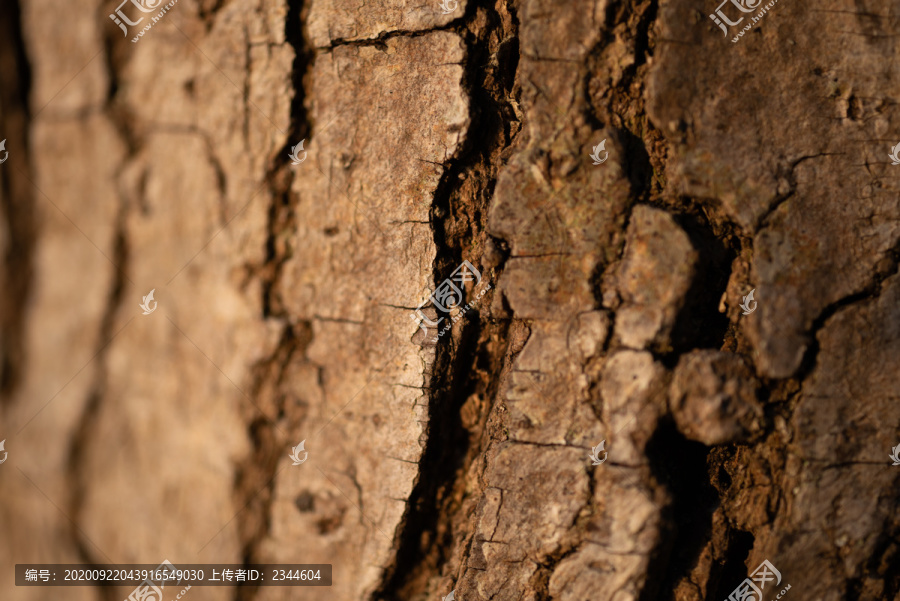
613 314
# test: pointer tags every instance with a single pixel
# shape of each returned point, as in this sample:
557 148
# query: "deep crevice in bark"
740 543
255 480
280 176
885 560
699 324
16 197
681 465
425 542
427 535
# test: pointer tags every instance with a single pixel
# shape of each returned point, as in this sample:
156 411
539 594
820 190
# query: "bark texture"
437 133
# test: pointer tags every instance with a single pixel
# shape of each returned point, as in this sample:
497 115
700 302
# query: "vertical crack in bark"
681 466
465 367
16 198
282 215
699 324
885 560
622 104
740 543
255 480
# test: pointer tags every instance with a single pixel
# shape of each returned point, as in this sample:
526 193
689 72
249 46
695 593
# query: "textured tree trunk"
607 306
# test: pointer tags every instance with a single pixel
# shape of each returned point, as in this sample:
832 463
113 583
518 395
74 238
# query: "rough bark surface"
455 460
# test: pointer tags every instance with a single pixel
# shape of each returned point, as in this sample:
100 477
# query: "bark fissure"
255 479
16 198
429 535
681 465
279 177
282 412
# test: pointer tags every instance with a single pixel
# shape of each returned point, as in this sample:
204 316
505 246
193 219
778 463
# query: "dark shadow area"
700 325
735 569
17 218
681 466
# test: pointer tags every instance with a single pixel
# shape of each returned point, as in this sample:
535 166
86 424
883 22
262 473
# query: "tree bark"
607 307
